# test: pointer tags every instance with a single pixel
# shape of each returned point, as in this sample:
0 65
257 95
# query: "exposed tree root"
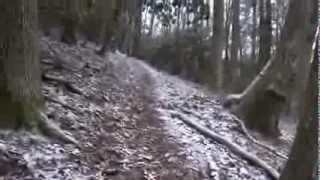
251 138
68 85
233 147
232 100
247 134
48 98
48 128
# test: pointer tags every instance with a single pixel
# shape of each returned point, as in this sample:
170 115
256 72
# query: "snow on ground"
127 117
182 99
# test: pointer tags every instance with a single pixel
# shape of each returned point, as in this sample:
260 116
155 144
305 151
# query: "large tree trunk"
21 101
262 101
265 33
302 163
218 41
20 94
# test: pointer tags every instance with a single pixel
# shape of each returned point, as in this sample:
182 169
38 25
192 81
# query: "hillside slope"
128 118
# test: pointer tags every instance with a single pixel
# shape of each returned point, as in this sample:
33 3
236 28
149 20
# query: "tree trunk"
268 91
71 22
20 94
137 27
302 163
235 46
218 40
265 33
227 27
21 100
111 23
153 5
254 31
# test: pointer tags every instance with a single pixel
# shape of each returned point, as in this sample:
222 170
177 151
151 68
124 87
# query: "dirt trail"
127 117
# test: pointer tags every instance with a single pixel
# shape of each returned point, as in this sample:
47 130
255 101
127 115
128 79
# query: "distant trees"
97 20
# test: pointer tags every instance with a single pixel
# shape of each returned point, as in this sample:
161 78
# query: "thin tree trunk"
218 40
254 31
153 5
227 27
137 27
112 21
265 33
236 42
71 22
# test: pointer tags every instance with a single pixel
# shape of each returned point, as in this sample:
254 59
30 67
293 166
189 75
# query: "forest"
159 89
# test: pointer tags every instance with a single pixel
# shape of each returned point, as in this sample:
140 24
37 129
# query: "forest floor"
128 119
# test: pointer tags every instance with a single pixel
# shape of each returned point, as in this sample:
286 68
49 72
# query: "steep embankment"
129 120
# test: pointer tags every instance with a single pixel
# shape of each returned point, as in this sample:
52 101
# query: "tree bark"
111 21
20 93
227 27
71 21
153 5
236 42
21 100
265 33
254 31
268 91
302 163
137 27
218 40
